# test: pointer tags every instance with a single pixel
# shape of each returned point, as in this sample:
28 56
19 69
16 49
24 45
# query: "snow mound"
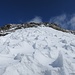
58 62
37 51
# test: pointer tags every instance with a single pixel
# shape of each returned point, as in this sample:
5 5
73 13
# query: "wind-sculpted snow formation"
37 51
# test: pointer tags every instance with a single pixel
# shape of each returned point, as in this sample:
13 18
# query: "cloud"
72 22
58 19
36 20
65 21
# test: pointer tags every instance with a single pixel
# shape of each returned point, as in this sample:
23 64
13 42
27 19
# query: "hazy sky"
17 11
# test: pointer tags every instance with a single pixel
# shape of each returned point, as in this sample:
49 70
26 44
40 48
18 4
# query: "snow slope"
37 51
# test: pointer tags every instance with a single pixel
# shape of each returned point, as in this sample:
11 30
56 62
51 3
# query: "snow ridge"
12 27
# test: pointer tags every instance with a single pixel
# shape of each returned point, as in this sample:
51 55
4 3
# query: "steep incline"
37 51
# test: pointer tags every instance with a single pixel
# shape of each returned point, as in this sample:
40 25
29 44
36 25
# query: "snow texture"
37 51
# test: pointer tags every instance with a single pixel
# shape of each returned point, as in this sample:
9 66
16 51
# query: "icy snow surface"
37 51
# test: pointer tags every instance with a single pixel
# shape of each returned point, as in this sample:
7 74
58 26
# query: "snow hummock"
37 51
58 62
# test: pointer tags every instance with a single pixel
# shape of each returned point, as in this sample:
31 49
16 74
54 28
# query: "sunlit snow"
37 51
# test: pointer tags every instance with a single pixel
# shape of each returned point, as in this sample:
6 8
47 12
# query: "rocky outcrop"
12 27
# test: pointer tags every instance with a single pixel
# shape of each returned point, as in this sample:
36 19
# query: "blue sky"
17 11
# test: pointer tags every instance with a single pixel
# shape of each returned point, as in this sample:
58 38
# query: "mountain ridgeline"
8 28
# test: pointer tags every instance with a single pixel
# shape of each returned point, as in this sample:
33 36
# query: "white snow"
37 51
